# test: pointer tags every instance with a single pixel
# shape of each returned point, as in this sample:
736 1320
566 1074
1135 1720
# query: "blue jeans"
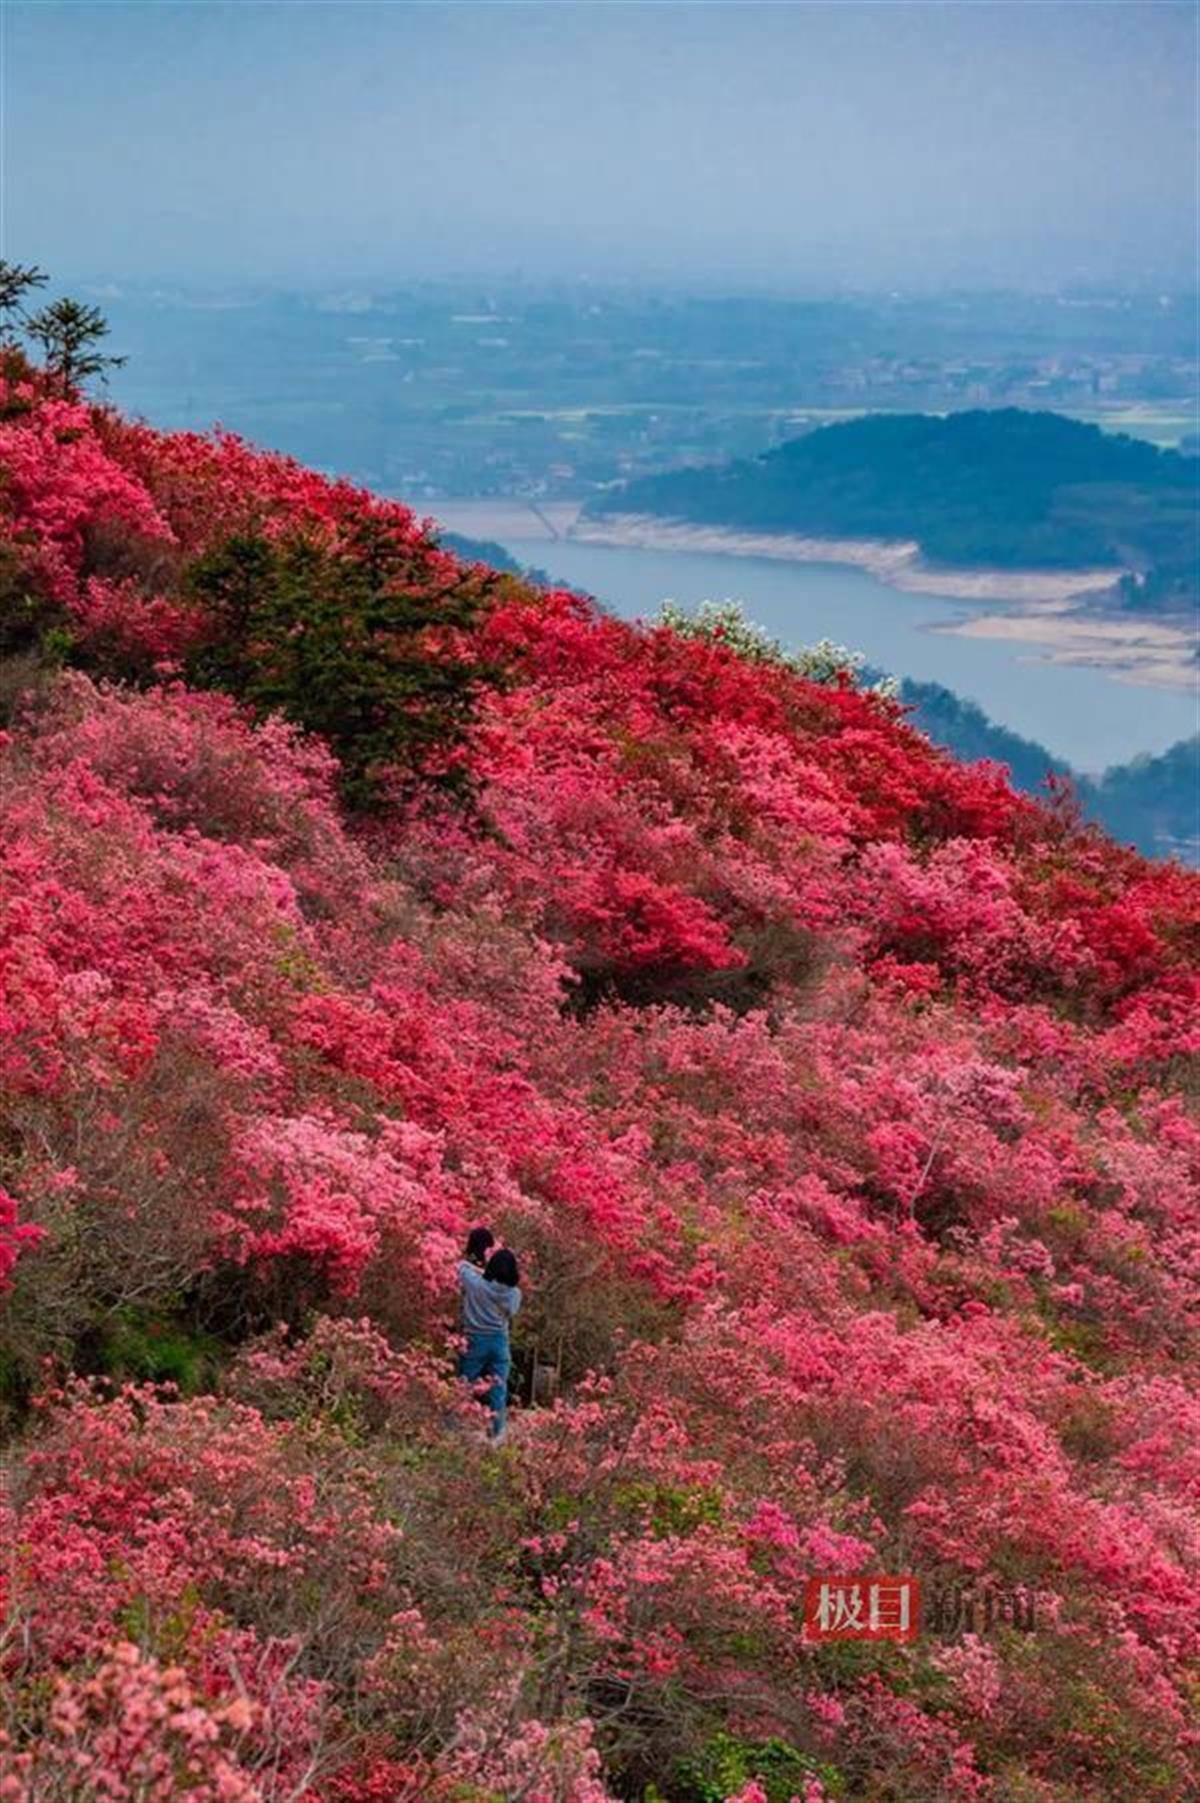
486 1355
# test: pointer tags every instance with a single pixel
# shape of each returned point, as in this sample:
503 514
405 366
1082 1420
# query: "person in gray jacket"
490 1298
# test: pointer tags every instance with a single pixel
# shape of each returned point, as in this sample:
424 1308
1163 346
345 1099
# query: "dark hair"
480 1241
501 1267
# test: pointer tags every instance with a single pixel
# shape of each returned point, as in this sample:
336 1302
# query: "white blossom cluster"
726 620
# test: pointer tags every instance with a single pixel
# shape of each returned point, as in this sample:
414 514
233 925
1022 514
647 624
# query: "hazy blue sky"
805 144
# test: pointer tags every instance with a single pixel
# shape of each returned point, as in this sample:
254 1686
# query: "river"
1087 716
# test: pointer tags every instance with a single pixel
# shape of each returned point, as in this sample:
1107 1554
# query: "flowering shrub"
724 622
835 1098
133 1730
15 1236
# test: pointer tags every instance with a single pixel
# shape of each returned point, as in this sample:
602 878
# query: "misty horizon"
359 290
801 150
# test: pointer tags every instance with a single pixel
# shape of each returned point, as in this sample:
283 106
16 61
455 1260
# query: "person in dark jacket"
480 1241
489 1298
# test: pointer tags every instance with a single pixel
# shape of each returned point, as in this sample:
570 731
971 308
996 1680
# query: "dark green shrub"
145 1347
361 641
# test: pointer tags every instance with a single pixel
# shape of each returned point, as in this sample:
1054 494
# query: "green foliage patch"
352 640
726 1764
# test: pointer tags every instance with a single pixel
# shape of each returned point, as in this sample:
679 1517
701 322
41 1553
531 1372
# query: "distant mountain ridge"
1152 802
1006 488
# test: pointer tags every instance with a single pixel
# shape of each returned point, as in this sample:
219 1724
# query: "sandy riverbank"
894 561
1158 653
497 518
1058 614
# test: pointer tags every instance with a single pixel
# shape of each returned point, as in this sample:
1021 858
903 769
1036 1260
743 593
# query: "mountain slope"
1150 803
1155 797
832 1095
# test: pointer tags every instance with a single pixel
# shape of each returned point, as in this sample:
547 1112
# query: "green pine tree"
69 333
352 642
16 281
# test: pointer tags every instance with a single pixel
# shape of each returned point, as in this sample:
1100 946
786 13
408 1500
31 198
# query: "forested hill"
1009 488
1151 802
834 1097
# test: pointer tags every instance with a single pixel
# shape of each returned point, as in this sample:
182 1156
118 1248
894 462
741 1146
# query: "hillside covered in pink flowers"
835 1098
